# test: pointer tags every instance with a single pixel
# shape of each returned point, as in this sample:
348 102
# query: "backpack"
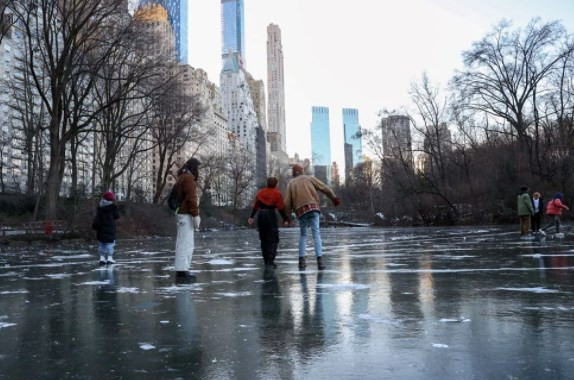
173 201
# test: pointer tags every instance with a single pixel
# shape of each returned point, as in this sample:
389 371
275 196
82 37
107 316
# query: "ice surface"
384 321
105 282
238 294
6 324
128 290
84 256
343 287
440 345
146 346
23 291
454 320
58 276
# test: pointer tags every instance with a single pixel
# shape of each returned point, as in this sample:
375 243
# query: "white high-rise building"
276 87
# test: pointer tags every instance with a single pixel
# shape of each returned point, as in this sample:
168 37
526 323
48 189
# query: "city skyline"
332 65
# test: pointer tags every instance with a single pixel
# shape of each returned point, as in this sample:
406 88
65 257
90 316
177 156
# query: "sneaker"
302 264
542 233
102 260
111 260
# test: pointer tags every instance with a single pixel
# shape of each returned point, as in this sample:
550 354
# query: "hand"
287 223
196 222
336 201
250 221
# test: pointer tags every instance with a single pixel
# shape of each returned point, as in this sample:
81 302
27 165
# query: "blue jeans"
104 248
310 219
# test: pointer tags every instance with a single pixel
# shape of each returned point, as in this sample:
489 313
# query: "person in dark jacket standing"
267 201
105 225
187 219
525 211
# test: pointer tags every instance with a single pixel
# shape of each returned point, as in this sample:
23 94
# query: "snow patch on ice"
58 276
84 256
455 320
105 282
9 274
439 345
344 287
128 290
238 294
396 265
530 290
164 322
147 346
23 291
220 262
6 324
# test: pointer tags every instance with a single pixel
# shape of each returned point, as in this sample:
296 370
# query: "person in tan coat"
302 198
187 219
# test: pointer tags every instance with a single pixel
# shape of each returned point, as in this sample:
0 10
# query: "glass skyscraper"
233 28
321 137
353 138
178 18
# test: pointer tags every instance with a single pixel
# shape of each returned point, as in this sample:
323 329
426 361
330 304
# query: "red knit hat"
109 196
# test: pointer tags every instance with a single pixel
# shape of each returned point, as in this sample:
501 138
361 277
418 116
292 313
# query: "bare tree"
7 18
66 42
241 174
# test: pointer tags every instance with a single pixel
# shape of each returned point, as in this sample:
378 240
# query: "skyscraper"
178 18
397 142
233 28
353 139
321 143
276 87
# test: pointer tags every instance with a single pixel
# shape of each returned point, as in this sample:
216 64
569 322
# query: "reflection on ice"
530 290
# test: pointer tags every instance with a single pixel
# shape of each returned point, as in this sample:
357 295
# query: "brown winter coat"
187 195
302 191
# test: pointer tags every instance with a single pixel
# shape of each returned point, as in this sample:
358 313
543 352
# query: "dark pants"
268 234
555 222
536 220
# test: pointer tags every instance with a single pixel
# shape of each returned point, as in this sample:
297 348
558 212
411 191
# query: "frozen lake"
444 303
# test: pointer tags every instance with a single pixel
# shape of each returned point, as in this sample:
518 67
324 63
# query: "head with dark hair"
191 166
524 189
559 196
272 182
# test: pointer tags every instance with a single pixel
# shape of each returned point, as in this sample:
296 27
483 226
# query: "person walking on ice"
301 197
105 225
267 201
554 209
187 219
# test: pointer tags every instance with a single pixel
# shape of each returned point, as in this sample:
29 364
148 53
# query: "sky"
360 54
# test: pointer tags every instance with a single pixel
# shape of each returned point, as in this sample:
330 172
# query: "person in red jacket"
267 201
554 209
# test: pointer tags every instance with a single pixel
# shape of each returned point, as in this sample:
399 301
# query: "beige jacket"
302 191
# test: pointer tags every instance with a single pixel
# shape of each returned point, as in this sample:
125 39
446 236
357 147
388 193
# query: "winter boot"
111 260
184 277
102 260
302 264
320 263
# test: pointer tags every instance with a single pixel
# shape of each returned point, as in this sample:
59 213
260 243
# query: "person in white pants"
187 219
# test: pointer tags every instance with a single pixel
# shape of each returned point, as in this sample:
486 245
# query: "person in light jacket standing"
301 197
525 211
538 206
187 219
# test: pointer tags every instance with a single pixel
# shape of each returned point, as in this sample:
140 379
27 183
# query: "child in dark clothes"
105 225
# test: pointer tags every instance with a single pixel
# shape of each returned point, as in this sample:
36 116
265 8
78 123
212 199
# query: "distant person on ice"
105 225
525 211
187 219
538 207
554 209
301 197
267 201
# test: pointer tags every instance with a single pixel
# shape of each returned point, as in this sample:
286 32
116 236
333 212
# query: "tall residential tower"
177 11
353 140
321 143
233 28
276 87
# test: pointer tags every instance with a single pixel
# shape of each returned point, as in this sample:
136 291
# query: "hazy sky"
358 54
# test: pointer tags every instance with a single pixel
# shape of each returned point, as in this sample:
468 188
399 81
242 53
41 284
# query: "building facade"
397 141
353 139
233 29
321 143
178 16
276 87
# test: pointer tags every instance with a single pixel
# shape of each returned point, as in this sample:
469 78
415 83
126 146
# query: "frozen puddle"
530 290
